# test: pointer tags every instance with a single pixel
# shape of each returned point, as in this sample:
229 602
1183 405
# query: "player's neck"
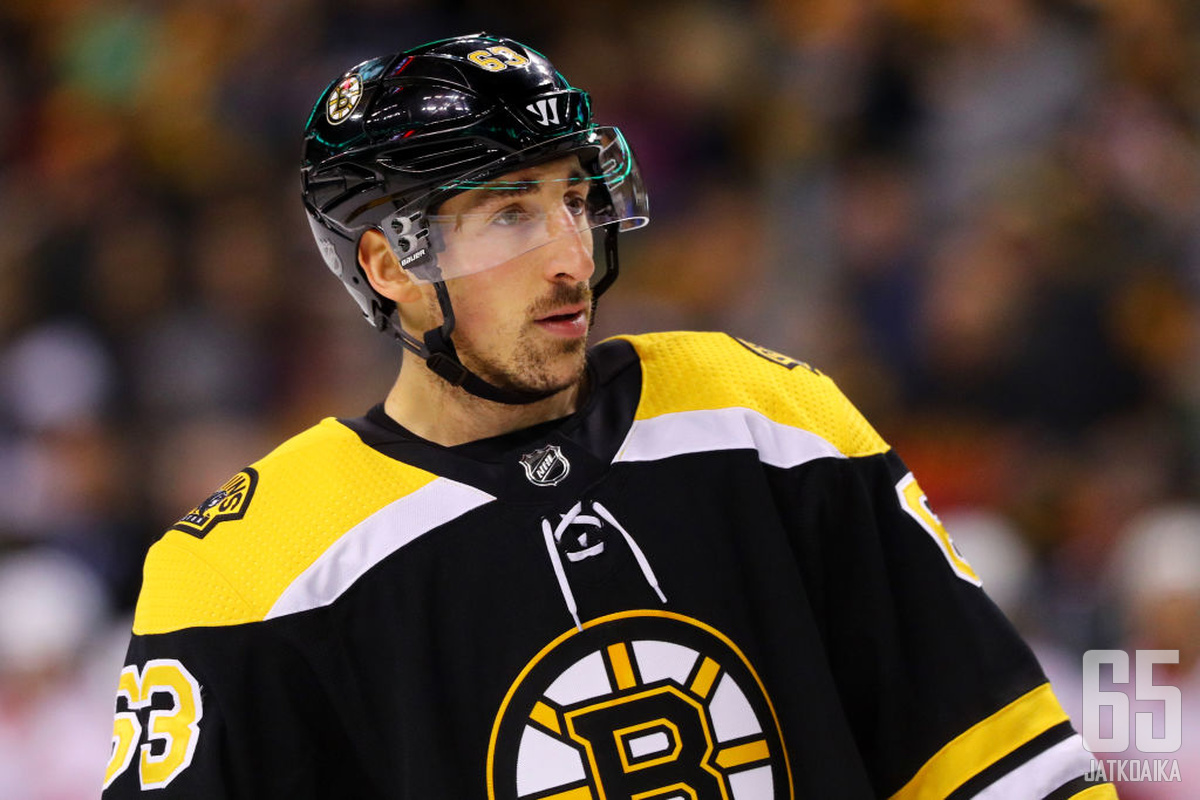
447 415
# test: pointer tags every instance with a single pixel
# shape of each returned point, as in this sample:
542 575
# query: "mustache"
563 294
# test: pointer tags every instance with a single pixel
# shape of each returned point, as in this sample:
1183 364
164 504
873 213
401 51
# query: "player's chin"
556 371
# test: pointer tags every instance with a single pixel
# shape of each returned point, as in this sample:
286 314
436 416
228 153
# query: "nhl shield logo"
546 466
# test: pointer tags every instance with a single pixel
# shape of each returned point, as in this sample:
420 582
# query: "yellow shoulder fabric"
687 371
309 491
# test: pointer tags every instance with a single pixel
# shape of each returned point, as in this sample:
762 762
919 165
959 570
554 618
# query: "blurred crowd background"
978 216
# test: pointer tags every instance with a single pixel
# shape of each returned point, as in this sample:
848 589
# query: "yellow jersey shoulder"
228 560
693 371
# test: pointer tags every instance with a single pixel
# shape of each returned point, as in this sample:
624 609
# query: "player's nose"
569 252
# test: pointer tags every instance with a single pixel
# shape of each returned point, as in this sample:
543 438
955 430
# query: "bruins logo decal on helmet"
344 99
638 704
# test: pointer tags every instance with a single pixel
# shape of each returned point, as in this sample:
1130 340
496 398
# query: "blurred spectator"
52 712
56 374
1157 575
1007 566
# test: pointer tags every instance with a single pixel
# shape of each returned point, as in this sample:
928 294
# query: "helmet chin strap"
443 360
441 357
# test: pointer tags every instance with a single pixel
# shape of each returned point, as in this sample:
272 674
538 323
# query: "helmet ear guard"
380 155
416 247
331 243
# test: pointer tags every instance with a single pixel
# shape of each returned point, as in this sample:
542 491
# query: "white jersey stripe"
439 502
1043 773
735 428
373 540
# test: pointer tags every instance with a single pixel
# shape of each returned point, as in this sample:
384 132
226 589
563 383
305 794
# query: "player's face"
524 324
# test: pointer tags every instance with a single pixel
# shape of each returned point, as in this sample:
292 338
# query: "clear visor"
577 185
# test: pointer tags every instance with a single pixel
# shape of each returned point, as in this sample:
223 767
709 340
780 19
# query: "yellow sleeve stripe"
1104 791
311 491
171 571
706 372
374 539
984 744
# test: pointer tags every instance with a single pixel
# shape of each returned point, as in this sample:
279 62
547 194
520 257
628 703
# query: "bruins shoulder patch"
774 357
230 502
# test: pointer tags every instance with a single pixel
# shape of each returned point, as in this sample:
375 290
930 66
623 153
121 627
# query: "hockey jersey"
714 580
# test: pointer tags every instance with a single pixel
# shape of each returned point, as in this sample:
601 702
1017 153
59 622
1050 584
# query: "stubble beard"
536 362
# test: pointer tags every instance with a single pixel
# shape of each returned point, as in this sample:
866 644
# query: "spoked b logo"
644 704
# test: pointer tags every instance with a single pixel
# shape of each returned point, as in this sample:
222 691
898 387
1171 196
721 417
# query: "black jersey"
714 580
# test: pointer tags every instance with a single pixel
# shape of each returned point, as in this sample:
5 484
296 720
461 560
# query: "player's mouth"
567 321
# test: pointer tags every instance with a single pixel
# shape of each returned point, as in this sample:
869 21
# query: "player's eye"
576 205
509 216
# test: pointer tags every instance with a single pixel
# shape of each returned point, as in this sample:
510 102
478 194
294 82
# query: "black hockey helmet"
394 137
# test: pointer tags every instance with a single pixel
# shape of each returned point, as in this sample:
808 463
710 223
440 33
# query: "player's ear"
383 269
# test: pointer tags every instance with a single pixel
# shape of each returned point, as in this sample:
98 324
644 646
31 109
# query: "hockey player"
669 566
